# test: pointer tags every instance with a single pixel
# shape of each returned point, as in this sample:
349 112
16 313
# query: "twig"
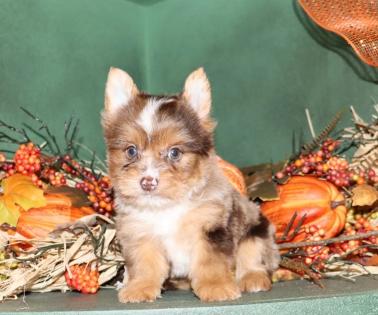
370 246
70 138
42 136
300 268
299 225
21 131
285 237
45 127
7 151
67 126
98 160
328 241
288 227
310 125
8 139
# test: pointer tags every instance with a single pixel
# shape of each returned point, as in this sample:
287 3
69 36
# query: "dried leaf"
364 195
265 191
372 261
77 197
259 181
19 194
366 260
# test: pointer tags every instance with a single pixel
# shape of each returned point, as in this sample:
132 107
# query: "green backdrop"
264 65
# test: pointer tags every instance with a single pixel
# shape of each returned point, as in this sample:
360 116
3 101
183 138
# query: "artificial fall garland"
56 209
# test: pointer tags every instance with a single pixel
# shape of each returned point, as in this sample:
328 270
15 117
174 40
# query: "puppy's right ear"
120 90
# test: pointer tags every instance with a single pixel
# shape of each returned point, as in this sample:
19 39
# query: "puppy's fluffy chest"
168 227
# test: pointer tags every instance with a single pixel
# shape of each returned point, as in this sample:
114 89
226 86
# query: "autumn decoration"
306 201
325 205
234 175
56 207
83 278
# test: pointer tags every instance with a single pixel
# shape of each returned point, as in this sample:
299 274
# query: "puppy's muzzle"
149 183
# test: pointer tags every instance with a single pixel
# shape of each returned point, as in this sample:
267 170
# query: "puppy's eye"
132 152
174 154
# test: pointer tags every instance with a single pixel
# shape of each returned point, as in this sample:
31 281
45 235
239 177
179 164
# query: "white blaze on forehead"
150 168
146 118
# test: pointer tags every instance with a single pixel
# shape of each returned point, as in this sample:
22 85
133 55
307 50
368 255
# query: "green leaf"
7 215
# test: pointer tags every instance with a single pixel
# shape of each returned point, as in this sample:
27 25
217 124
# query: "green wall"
55 55
265 68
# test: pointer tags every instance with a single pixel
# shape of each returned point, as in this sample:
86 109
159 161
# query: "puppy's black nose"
149 183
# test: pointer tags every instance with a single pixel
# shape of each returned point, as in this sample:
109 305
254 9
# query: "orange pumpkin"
39 222
320 201
234 175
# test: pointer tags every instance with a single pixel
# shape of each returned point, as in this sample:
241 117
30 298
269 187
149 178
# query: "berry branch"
44 126
71 128
328 241
300 268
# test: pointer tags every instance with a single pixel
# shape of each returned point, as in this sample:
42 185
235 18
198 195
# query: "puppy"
177 214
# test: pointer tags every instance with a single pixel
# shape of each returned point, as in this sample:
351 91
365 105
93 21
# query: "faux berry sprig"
325 164
316 250
27 159
83 278
60 171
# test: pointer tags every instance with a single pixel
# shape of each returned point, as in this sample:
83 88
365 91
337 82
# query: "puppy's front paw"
255 281
140 292
217 291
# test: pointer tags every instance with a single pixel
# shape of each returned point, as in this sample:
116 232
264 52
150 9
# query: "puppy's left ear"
197 93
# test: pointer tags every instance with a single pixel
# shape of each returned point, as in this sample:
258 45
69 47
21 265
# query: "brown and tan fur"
179 217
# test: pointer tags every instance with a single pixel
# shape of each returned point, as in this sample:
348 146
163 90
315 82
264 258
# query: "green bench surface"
294 297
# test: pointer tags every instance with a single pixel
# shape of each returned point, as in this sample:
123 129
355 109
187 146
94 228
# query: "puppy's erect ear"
120 90
197 92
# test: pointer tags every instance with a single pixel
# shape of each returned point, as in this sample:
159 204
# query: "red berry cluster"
99 190
27 159
84 278
35 179
99 194
360 225
8 168
56 171
317 255
54 177
323 164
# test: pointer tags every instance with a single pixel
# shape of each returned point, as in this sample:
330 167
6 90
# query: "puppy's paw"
255 281
217 291
137 293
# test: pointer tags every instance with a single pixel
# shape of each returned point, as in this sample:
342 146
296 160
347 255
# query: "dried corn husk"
41 268
366 134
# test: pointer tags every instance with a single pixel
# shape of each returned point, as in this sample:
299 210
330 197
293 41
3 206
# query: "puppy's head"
157 145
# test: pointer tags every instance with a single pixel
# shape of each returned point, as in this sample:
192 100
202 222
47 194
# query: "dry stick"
310 125
328 241
300 268
288 227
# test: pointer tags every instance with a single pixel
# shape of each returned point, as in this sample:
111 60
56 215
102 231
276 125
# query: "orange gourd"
39 222
234 175
320 201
